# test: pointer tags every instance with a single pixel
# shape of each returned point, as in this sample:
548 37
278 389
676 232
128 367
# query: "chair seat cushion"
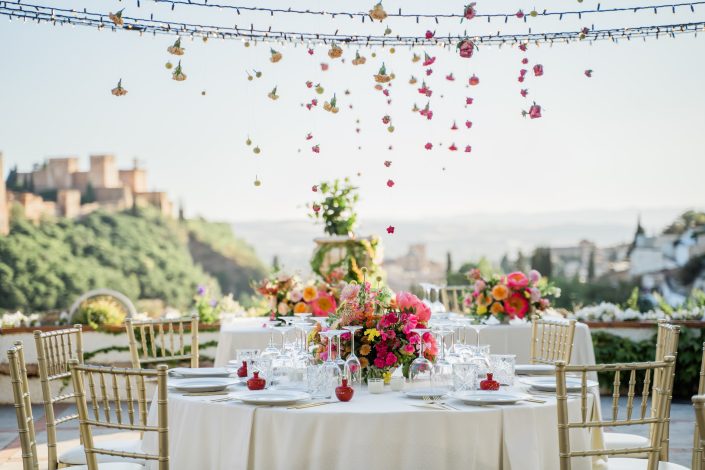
639 464
77 456
622 440
113 466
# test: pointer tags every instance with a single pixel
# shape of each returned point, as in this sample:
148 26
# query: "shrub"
99 312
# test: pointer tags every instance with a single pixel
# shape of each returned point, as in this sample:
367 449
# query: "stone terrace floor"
682 423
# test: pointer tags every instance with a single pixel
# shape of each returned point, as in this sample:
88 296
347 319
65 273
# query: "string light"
417 16
55 15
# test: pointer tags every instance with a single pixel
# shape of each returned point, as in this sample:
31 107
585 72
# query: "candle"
375 385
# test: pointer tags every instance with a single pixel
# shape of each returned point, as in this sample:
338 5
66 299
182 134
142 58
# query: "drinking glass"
503 368
352 362
339 352
319 381
477 324
437 306
271 351
464 376
421 369
442 369
480 357
426 293
334 371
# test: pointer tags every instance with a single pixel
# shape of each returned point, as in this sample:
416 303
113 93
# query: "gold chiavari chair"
23 407
54 351
551 340
163 341
452 297
657 383
100 381
699 434
667 337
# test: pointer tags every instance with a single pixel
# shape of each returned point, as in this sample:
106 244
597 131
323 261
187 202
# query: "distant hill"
142 254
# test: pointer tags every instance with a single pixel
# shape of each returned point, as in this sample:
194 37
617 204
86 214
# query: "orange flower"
364 362
300 308
482 299
496 308
365 349
310 293
500 292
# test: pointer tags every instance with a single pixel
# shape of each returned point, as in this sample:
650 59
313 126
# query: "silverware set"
303 406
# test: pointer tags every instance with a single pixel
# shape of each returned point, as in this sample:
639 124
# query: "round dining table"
373 431
503 339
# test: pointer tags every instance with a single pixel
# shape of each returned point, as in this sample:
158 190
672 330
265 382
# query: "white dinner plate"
273 397
207 384
483 397
535 369
200 372
548 384
420 393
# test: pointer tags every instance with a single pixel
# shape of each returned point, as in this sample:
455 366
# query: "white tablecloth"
503 339
371 432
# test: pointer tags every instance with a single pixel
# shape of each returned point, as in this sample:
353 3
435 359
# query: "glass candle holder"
375 385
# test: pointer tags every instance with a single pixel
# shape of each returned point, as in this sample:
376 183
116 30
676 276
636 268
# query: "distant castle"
59 188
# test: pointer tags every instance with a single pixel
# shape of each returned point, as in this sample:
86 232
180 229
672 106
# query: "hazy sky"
633 135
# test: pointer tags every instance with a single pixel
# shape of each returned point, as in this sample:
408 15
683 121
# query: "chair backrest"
658 391
110 416
23 406
699 434
54 350
551 340
162 341
667 337
699 445
452 297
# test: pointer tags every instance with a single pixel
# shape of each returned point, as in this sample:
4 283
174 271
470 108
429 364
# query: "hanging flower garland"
378 13
178 74
176 49
119 90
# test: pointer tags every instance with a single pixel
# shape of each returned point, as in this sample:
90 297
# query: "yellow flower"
371 333
300 308
310 293
500 292
496 308
481 309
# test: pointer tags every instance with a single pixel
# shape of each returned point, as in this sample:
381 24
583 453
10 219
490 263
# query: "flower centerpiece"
385 341
511 296
288 295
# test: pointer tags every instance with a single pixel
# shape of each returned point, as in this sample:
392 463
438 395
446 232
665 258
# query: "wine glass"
477 324
421 369
443 368
305 328
437 306
331 368
339 353
271 351
352 362
426 293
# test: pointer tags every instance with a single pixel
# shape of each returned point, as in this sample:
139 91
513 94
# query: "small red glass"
489 383
256 382
344 392
242 371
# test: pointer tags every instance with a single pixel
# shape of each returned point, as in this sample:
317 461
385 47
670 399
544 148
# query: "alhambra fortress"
59 188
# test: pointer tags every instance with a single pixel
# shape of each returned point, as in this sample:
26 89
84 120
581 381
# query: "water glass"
397 384
464 376
319 381
503 368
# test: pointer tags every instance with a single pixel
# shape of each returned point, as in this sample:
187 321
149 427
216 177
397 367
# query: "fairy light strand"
41 13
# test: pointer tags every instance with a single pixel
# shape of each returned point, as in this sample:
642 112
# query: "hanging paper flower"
428 146
466 48
316 149
454 127
119 90
390 129
521 79
310 51
358 60
534 111
533 13
386 119
390 183
273 94
415 58
169 66
468 101
474 80
468 124
469 12
424 90
309 84
378 13
324 66
522 47
316 207
314 188
524 61
468 149
314 102
428 60
382 76
390 229
257 74
257 182
415 109
387 32
412 80
538 70
117 18
429 72
524 92
178 74
248 141
426 111
450 77
176 49
385 92
309 136
319 89
452 147
588 73
520 14
583 33
388 163
331 107
275 56
256 150
430 34
335 51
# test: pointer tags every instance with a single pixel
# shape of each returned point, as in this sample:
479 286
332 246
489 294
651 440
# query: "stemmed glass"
305 328
331 368
271 351
477 324
352 362
437 306
443 368
426 293
339 355
421 369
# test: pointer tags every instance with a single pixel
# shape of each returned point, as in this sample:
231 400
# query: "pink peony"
517 280
516 305
534 276
323 305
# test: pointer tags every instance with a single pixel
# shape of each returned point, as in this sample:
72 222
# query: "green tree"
505 264
541 261
522 264
449 263
591 266
89 195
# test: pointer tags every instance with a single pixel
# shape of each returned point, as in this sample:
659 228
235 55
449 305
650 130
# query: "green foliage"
541 261
460 277
48 266
357 254
338 207
687 220
99 312
89 195
576 294
610 348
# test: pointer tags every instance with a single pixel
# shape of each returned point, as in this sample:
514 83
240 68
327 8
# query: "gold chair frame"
23 407
551 340
659 390
103 417
667 337
153 341
54 351
698 435
450 296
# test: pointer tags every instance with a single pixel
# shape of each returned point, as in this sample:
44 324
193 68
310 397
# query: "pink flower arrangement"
287 295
